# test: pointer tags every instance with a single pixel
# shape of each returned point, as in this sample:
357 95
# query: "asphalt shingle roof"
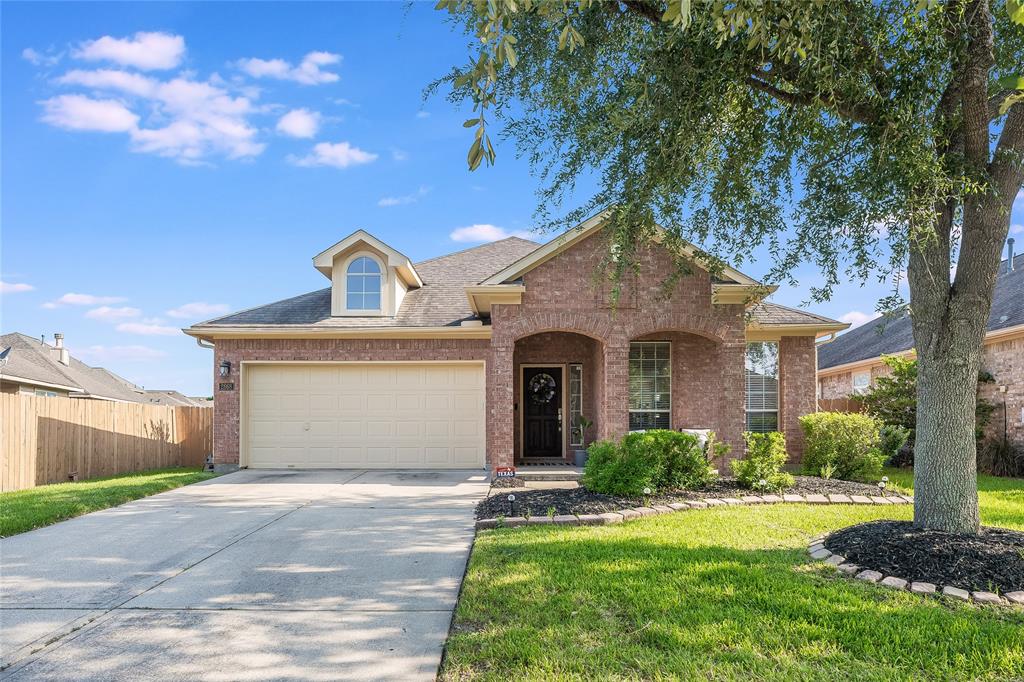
769 314
31 359
440 302
883 336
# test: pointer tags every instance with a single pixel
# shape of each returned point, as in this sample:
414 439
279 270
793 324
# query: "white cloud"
77 112
1016 229
194 119
299 123
37 58
422 114
308 72
144 50
484 233
123 353
399 154
856 318
199 309
111 79
14 287
147 329
337 155
109 314
84 299
403 200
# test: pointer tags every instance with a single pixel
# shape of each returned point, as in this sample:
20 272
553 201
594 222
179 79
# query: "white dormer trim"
324 261
398 274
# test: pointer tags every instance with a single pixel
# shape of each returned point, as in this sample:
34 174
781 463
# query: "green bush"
892 438
659 460
761 469
844 444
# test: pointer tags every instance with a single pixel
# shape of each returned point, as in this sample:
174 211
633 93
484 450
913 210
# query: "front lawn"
724 593
24 510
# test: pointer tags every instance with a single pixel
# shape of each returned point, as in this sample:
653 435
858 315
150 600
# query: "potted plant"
580 455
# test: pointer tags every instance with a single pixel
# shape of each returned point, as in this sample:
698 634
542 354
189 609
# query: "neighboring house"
491 356
851 364
32 367
173 399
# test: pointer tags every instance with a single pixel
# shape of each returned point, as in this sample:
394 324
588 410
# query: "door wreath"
542 388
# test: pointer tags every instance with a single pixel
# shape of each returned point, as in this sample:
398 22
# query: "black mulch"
992 560
583 501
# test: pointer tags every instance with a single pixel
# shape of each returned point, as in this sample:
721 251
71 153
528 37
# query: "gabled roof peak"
324 261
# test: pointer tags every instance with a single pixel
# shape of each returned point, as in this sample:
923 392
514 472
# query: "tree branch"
1007 166
643 9
853 113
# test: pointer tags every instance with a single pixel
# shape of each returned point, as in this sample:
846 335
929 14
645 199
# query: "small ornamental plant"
761 468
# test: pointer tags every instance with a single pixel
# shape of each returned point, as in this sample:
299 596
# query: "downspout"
203 343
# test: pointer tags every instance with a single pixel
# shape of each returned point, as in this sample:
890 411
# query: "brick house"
853 362
497 355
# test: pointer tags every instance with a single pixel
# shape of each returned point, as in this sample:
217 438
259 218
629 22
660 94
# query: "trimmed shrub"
761 469
658 459
892 438
845 444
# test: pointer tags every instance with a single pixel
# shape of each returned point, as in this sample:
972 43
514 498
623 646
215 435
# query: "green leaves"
1015 8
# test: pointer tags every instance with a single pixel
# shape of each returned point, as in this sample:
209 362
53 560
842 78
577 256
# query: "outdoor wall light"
225 368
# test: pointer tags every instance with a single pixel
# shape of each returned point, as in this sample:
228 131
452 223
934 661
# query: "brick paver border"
817 551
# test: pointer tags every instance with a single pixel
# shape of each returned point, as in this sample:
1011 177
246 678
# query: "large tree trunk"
949 322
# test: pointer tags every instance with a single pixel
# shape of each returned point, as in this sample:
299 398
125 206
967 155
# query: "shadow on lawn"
594 603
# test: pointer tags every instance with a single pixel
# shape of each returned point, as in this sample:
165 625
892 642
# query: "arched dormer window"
363 284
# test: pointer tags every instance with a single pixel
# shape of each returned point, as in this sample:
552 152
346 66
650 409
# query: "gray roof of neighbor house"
173 399
35 361
883 336
441 301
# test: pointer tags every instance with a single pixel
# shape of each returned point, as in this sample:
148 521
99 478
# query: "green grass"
24 510
720 594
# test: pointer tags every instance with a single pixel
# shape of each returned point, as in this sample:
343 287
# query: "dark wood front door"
542 412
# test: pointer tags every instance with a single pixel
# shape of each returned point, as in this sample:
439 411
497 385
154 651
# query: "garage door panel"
365 415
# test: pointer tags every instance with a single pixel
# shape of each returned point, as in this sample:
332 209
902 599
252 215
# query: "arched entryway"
558 388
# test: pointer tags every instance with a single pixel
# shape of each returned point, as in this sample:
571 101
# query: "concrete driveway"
264 574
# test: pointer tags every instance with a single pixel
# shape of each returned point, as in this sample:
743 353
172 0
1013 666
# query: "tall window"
362 285
650 385
575 404
762 387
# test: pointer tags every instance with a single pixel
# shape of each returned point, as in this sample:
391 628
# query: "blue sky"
166 162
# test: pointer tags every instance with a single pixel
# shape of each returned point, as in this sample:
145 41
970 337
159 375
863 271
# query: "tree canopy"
822 129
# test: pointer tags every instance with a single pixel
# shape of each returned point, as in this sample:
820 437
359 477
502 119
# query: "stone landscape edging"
818 552
628 514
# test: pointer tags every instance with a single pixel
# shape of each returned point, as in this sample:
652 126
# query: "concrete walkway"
270 574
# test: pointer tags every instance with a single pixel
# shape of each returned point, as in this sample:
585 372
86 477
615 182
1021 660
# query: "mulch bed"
994 559
583 501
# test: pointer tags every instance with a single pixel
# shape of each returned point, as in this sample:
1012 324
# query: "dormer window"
363 285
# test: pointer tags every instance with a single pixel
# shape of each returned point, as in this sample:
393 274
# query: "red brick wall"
226 403
564 294
798 363
1005 360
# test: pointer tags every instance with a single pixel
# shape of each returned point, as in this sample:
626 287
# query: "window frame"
629 395
747 371
858 390
381 275
575 438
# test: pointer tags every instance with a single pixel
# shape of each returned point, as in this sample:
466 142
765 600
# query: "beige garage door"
375 415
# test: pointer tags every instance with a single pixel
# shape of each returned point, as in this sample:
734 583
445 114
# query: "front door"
542 412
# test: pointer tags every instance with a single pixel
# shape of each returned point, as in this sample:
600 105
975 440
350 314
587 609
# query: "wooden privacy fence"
47 440
840 405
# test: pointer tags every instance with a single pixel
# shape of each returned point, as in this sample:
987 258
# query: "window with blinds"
762 365
650 385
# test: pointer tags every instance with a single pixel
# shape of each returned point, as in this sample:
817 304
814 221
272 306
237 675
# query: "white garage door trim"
473 398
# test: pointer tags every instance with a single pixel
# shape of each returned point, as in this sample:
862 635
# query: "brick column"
797 373
500 401
615 410
732 397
